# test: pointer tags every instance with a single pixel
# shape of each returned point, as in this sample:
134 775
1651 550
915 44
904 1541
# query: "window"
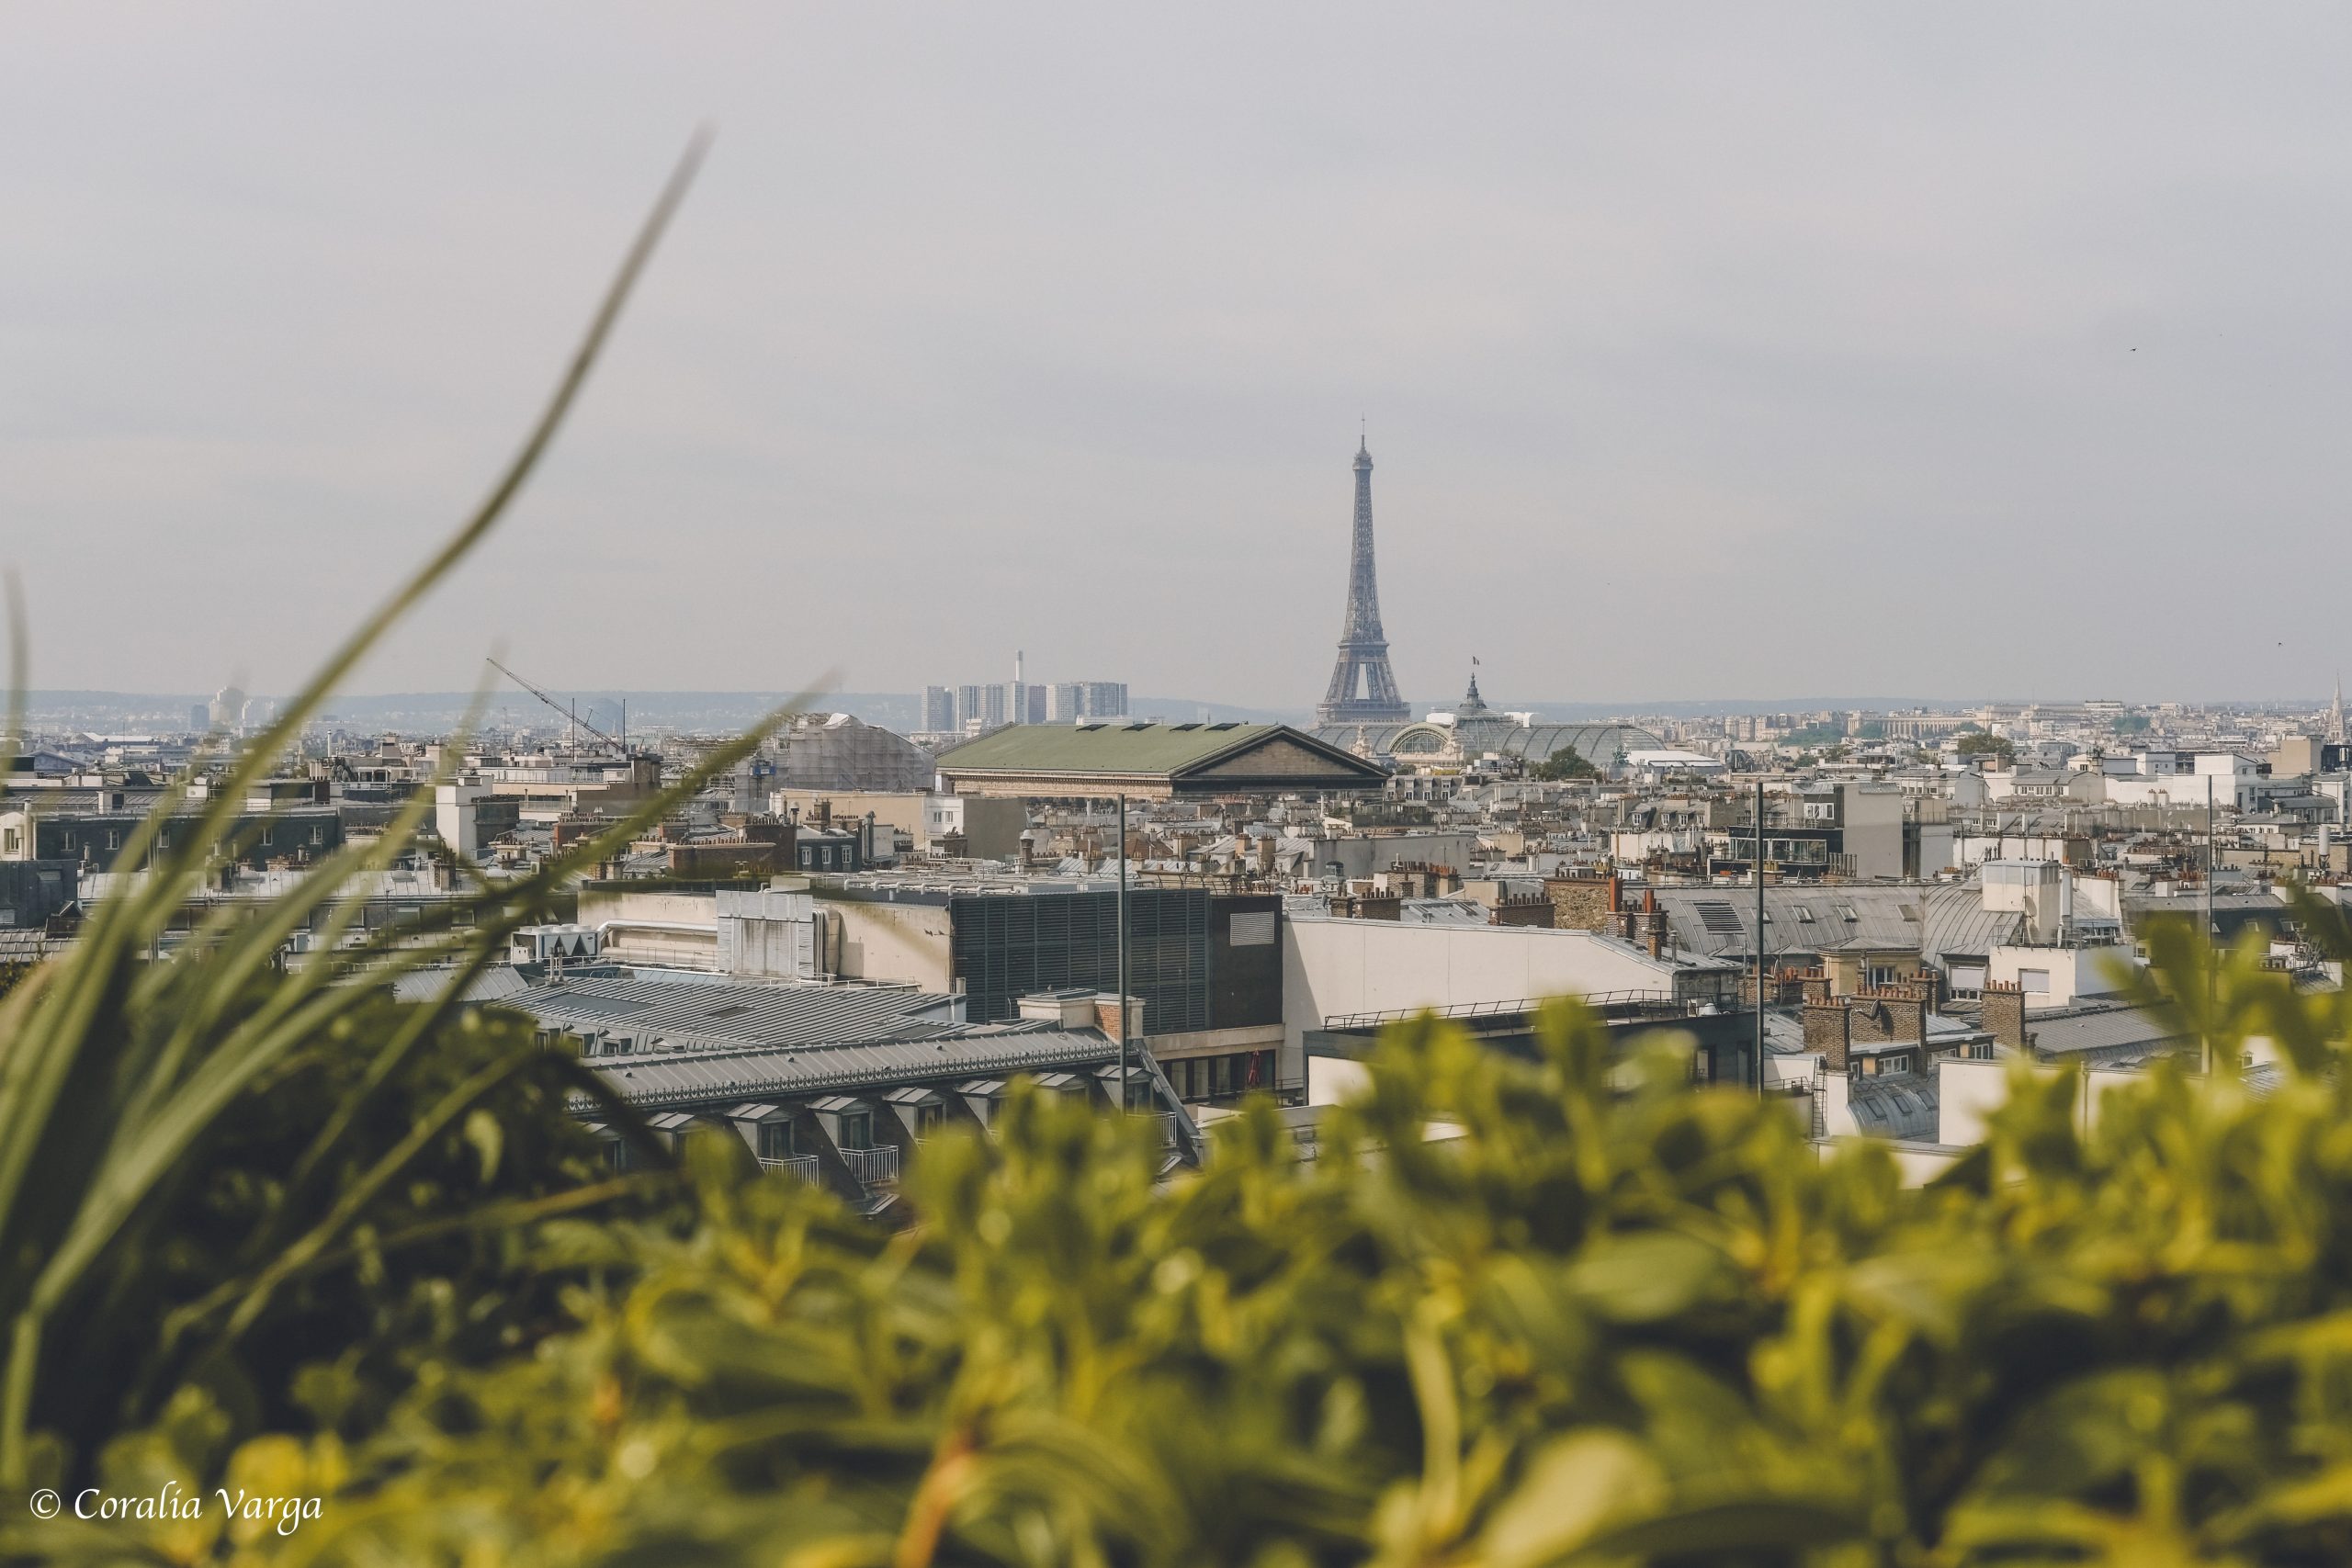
65 838
1254 930
857 1129
13 841
268 836
2034 980
317 834
113 838
776 1139
928 1119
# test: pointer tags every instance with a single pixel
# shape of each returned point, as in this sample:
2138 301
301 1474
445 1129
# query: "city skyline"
2036 339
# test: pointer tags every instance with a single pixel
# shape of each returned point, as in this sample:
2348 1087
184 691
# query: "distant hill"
124 712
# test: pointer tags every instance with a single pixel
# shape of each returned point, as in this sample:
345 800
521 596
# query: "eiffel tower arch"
1363 689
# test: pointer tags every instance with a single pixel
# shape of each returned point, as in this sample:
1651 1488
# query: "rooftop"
1151 759
741 1075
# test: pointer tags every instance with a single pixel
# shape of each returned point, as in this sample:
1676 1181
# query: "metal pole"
2210 950
1755 1072
1126 1102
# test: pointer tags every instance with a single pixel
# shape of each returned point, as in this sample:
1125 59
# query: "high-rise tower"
1363 689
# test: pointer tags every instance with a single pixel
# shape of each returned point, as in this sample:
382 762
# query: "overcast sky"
1727 350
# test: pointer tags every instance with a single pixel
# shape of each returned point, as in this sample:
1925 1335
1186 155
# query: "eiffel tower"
1364 648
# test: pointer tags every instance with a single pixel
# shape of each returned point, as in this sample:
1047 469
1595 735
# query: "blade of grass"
52 1039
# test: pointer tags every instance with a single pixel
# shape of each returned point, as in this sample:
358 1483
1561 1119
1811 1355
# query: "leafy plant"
1568 1311
209 1168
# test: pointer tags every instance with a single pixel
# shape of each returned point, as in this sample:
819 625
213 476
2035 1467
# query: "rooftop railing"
1609 1004
802 1166
874 1167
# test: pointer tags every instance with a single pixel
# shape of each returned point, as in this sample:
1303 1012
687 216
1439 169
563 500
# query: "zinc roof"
498 984
721 1015
1955 920
1721 921
1901 1106
2095 1033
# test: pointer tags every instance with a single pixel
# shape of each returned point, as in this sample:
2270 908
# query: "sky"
1703 351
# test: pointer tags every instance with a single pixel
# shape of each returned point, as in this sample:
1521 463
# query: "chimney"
1106 1014
2004 1015
1827 1030
1266 856
824 814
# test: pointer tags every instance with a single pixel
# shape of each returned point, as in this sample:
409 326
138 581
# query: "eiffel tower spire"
1362 666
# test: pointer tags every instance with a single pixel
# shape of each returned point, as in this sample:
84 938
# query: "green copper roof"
1168 751
1117 746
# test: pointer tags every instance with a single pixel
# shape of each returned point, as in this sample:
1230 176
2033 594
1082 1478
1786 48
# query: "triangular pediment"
1277 756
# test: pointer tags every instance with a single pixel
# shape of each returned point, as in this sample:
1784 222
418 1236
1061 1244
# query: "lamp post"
1125 1098
1755 1079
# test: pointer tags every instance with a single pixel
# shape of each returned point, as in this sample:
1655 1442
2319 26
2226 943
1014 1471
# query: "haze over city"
1317 786
1705 353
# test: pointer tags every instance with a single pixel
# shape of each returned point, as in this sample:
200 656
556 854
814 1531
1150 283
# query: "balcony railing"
874 1166
802 1166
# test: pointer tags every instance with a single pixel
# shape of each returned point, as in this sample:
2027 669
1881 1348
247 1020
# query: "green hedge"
1572 1311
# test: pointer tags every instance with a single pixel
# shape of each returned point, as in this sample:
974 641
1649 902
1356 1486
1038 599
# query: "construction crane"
569 716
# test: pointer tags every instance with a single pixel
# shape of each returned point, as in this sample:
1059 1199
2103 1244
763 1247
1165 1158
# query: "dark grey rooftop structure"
662 1081
681 1012
2109 1035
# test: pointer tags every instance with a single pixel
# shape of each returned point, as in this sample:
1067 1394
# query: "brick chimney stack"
2004 1015
1827 1029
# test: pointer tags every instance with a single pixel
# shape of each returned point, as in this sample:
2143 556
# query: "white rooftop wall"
1354 966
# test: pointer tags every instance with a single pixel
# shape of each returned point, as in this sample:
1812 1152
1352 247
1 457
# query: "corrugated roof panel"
656 1080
